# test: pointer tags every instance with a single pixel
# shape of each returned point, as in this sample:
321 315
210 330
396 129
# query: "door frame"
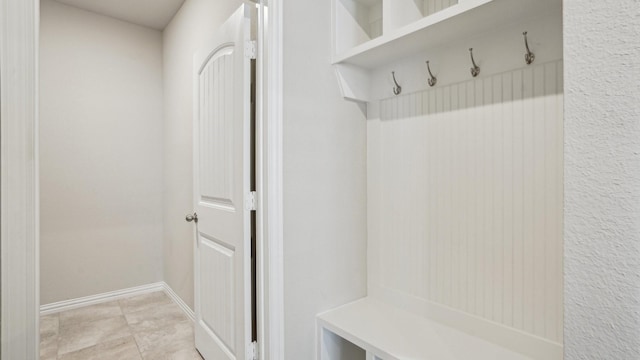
19 198
19 240
270 193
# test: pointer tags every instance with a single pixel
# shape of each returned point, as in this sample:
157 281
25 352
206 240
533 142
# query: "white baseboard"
178 300
65 305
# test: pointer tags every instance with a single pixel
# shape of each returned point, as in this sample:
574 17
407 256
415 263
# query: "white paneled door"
222 161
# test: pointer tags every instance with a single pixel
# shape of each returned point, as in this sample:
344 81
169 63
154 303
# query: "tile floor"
149 326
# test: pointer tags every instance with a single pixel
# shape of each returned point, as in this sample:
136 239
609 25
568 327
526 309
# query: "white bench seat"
389 333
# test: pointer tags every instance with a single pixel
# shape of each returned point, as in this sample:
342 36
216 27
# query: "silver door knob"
191 218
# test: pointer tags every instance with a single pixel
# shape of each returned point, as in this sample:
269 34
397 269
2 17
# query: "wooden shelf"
390 333
463 20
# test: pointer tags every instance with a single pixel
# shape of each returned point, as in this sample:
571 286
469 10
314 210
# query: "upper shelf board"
466 19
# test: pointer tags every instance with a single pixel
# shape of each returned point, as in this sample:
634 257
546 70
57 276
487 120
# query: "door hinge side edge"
251 202
253 350
251 49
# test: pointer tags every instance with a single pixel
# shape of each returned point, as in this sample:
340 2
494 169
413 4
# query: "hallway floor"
149 326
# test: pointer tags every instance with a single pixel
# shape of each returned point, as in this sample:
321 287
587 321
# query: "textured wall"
602 172
100 153
195 23
324 180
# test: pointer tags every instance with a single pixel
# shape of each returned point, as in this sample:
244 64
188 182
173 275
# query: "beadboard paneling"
19 215
433 6
465 185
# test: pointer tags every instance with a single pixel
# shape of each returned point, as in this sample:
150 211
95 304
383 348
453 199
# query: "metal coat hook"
396 89
529 56
432 81
475 70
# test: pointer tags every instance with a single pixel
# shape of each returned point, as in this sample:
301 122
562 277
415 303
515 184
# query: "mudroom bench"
369 329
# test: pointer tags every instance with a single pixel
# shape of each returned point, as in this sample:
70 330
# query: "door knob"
191 218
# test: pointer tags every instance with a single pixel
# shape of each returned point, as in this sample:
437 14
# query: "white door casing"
19 193
222 258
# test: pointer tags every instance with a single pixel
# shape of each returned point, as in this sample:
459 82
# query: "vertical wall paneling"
489 241
518 202
538 201
507 191
528 200
19 197
471 198
469 213
432 6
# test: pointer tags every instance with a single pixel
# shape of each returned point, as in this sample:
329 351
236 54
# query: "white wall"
324 180
324 166
467 212
193 26
465 183
325 185
602 188
100 153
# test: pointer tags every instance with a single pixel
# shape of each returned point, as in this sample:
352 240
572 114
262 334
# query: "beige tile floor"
149 326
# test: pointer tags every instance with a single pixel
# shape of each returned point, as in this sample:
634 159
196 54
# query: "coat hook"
475 70
396 89
432 81
529 56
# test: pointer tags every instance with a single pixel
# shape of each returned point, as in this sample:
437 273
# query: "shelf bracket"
354 81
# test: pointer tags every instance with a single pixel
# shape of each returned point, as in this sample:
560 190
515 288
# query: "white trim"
19 214
261 179
270 289
271 196
178 300
65 305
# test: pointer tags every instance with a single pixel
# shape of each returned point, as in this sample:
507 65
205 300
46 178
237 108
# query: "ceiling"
155 14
